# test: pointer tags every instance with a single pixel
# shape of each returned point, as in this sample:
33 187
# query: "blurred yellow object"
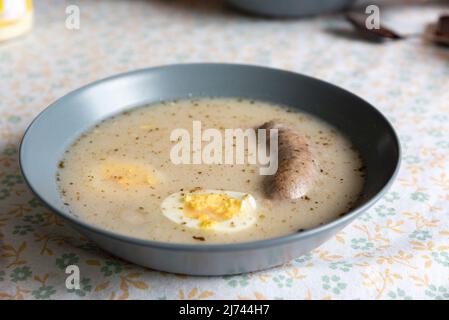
16 18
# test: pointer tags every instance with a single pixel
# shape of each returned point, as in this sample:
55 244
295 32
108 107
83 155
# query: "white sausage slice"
297 169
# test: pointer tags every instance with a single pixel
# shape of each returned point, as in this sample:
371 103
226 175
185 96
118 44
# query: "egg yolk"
211 208
128 175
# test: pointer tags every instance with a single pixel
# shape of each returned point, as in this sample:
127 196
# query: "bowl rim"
250 245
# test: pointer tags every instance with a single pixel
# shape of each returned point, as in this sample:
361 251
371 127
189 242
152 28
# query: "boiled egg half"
216 210
114 176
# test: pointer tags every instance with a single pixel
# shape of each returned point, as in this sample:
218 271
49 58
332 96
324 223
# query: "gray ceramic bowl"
61 123
291 8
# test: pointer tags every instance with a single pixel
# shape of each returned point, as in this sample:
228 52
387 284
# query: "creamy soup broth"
140 139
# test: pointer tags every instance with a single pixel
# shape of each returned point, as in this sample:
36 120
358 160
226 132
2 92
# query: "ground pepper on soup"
119 175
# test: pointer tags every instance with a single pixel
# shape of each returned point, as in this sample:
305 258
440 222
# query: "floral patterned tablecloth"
399 249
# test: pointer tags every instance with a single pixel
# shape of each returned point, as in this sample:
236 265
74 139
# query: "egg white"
172 208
